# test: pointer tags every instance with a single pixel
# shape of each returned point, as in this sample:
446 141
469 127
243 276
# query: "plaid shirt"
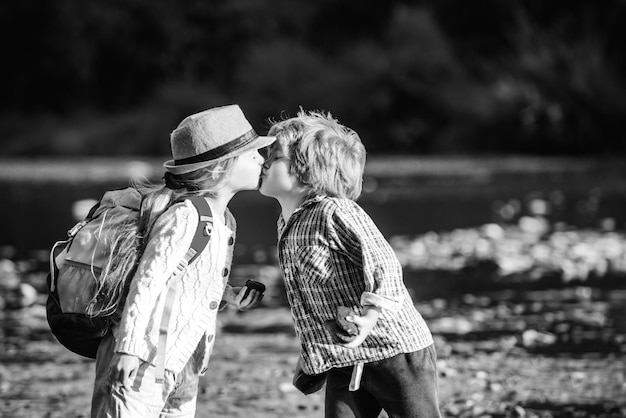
331 253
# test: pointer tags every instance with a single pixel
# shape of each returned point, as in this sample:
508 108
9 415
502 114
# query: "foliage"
425 76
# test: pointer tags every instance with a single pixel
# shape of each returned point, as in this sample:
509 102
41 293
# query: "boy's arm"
356 235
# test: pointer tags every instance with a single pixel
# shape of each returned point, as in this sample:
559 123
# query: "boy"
332 254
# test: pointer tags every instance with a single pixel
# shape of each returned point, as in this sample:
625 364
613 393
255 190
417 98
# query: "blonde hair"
327 157
127 236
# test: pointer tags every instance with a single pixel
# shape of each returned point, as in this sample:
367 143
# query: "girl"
215 155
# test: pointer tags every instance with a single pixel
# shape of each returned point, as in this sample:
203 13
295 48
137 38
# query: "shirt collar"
311 200
307 202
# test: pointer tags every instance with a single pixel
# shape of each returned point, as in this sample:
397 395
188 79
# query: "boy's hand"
338 335
365 323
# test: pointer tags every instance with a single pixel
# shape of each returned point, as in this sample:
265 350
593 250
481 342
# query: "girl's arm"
233 295
171 237
124 367
237 297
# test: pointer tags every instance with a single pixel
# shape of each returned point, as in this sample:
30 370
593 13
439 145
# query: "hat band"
222 150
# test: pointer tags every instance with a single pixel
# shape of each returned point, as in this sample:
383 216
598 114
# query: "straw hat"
210 136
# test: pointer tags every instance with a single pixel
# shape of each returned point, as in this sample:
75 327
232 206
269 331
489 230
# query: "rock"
286 387
518 411
9 278
28 295
253 285
445 370
451 325
442 347
337 334
24 295
493 231
534 225
481 374
6 266
495 387
5 385
532 338
463 348
344 325
81 208
539 207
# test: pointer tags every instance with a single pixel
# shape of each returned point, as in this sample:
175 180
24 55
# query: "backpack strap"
205 226
199 242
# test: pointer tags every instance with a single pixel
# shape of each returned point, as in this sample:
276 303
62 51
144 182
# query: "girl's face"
246 171
276 180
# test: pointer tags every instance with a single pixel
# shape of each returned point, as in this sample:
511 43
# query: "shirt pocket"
314 264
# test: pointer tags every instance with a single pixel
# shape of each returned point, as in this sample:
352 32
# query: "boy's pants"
404 386
175 397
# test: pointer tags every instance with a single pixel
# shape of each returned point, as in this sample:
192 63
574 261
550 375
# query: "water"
404 197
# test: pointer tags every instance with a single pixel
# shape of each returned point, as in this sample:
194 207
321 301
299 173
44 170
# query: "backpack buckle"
76 228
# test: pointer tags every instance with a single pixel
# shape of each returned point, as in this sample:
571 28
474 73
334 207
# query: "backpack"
76 263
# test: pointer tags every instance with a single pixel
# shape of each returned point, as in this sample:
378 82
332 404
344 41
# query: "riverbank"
251 368
553 352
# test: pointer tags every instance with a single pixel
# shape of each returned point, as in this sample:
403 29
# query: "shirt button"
231 241
213 305
317 361
225 272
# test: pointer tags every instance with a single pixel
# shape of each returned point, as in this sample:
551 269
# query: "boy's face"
276 180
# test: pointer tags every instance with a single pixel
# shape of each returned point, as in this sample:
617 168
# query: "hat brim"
259 142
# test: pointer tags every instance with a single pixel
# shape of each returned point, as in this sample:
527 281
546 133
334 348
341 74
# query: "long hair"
127 236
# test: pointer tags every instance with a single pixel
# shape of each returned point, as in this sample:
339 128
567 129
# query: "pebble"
533 338
531 246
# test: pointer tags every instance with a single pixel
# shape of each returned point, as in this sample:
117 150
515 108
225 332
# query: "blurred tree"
557 91
410 76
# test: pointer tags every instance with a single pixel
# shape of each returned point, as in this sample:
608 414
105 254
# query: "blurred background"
443 93
419 77
496 169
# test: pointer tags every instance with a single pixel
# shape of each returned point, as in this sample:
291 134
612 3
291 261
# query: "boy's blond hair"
326 156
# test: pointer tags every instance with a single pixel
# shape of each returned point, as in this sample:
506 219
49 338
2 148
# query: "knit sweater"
199 290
